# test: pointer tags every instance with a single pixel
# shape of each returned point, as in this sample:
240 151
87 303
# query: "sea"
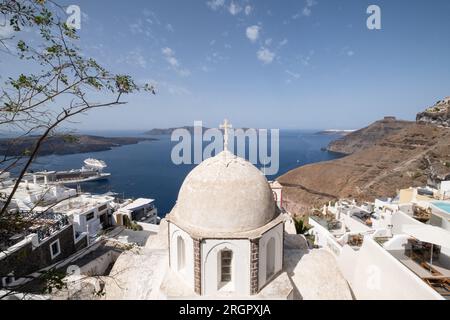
146 169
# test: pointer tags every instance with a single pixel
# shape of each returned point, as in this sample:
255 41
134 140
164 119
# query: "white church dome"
225 193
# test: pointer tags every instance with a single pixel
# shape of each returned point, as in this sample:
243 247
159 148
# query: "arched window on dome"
270 258
226 266
181 255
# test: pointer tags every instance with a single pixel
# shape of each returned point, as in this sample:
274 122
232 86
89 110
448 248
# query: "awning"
428 233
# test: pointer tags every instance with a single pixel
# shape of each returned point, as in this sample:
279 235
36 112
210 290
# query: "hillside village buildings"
58 223
392 248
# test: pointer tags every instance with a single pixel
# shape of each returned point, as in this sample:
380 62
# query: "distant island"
335 132
65 144
168 131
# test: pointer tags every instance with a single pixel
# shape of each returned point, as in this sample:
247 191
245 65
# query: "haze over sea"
146 170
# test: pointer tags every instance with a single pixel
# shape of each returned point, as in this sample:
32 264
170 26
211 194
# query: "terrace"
430 262
43 224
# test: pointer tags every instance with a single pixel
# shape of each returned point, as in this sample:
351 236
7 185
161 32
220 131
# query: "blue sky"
275 64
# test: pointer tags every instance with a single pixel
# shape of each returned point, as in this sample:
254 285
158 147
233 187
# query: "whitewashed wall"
211 267
354 225
277 234
445 187
400 219
187 273
323 238
397 242
373 273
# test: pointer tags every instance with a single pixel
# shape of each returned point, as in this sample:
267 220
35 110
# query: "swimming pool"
444 206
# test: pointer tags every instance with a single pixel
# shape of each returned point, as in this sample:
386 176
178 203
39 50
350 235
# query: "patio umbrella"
430 234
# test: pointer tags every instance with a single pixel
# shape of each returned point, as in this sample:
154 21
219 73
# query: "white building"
88 212
226 238
236 240
444 189
378 256
139 210
34 196
277 190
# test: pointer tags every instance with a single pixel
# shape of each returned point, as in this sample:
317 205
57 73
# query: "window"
104 220
89 216
180 253
8 281
103 207
226 258
270 258
55 249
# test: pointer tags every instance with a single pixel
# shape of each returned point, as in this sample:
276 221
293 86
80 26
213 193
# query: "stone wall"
254 266
197 267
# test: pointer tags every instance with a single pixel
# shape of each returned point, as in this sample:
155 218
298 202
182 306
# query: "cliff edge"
438 114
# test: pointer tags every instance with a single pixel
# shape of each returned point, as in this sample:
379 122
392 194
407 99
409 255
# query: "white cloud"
215 57
134 58
293 74
143 27
347 51
215 4
268 42
177 90
137 58
172 61
265 55
283 42
170 28
253 33
169 55
84 17
306 60
234 8
307 9
168 52
170 88
151 17
184 72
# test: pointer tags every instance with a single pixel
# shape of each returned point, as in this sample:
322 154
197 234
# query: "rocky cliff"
382 158
439 114
368 136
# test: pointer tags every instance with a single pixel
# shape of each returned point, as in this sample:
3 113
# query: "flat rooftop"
81 204
140 202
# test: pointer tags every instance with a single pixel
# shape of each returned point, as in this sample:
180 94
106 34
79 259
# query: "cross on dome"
225 126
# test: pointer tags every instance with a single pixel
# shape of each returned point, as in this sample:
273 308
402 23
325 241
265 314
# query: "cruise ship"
91 171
